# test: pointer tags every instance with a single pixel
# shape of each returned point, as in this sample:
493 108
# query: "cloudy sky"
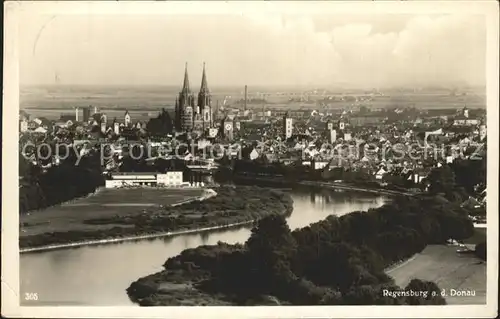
266 49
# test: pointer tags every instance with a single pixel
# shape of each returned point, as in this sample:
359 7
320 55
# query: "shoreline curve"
199 230
132 238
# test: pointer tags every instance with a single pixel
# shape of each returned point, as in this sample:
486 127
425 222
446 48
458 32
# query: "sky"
320 49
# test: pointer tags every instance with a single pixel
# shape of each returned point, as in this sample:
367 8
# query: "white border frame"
10 204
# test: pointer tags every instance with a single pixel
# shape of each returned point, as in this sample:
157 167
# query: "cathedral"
193 114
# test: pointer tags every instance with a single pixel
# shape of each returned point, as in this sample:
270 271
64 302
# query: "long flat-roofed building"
168 179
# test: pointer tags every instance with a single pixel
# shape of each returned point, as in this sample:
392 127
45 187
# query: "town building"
341 124
228 128
237 124
329 125
135 179
212 132
23 125
116 128
127 119
380 173
347 136
86 114
333 135
463 118
288 126
482 130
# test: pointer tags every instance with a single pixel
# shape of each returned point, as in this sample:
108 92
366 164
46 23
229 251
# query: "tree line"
40 188
339 260
455 181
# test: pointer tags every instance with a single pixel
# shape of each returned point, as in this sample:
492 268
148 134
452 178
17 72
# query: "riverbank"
330 185
232 207
132 238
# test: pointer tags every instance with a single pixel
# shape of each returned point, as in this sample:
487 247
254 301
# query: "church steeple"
204 85
204 98
185 86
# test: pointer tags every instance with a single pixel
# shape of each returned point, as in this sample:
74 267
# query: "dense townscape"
432 162
393 146
251 159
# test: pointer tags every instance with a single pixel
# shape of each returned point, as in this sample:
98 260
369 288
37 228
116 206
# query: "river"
99 275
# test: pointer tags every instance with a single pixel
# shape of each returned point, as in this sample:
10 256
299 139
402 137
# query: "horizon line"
317 86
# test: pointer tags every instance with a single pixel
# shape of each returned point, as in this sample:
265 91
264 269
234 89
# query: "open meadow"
126 213
145 102
449 270
104 203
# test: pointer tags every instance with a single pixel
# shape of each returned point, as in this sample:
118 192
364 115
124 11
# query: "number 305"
31 296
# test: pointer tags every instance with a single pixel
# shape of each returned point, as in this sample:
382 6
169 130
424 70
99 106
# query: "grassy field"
127 213
137 115
449 270
104 203
144 100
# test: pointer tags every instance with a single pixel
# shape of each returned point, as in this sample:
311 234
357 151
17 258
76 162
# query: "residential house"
23 125
40 130
254 154
380 173
471 203
463 119
127 119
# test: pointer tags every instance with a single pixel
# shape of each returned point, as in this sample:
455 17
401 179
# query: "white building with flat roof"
168 179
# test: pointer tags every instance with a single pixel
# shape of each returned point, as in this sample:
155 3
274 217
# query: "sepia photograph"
256 158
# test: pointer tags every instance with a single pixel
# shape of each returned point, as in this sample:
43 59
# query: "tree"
271 247
469 173
441 180
362 295
60 183
272 237
161 125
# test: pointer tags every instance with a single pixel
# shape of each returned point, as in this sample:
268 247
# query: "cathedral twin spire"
204 85
189 114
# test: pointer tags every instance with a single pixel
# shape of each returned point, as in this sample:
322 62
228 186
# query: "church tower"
287 125
184 106
205 101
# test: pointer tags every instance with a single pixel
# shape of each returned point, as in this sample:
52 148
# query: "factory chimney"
246 91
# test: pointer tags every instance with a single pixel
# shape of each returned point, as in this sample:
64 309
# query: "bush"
431 294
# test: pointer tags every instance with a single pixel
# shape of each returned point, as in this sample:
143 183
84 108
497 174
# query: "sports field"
451 271
116 214
104 203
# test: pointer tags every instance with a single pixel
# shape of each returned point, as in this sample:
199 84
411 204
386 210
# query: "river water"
99 275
